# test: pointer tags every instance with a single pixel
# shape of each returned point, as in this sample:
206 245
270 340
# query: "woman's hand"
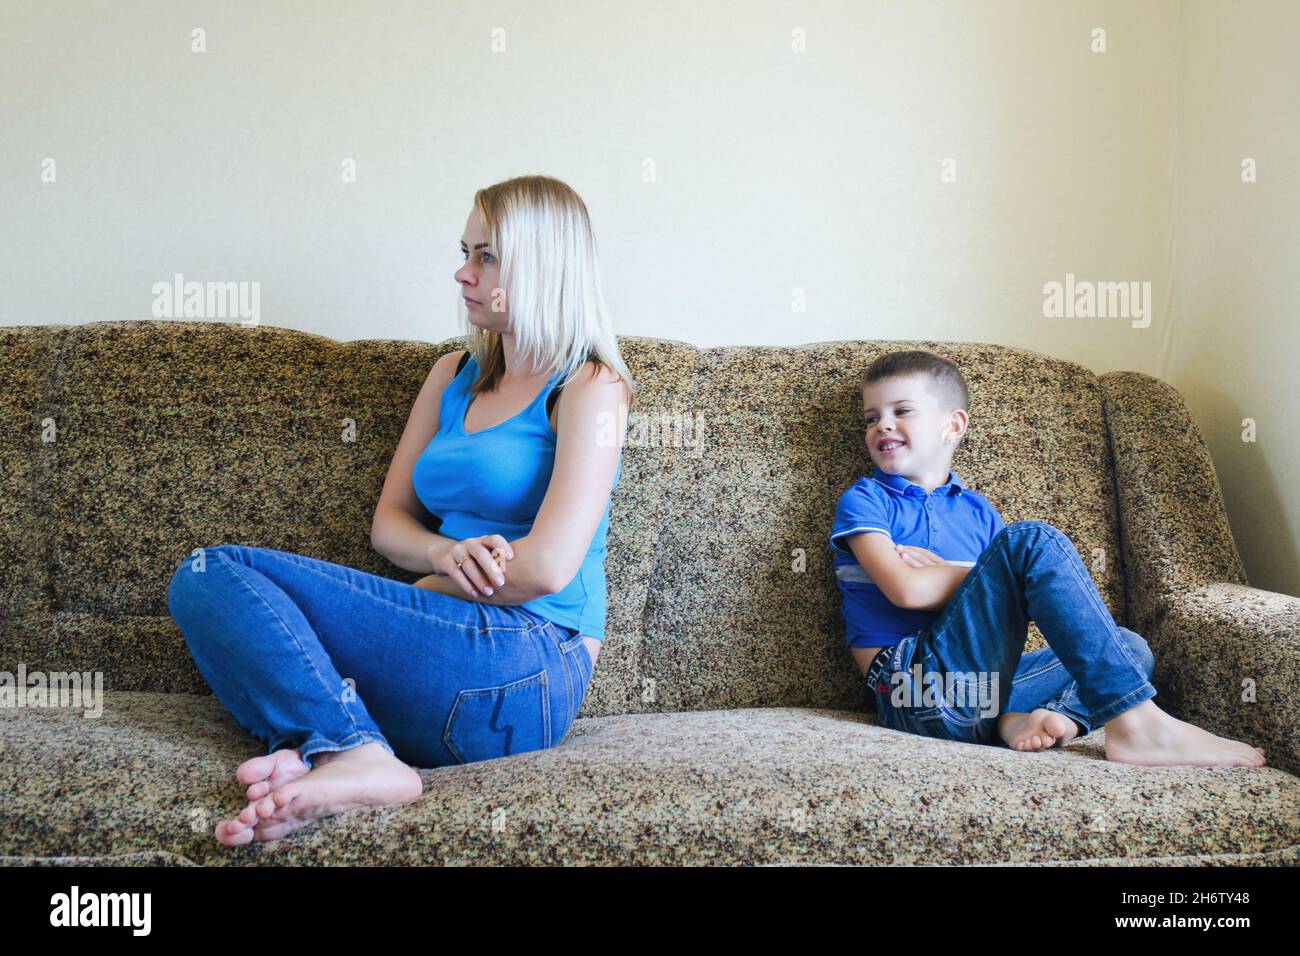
473 567
915 557
443 585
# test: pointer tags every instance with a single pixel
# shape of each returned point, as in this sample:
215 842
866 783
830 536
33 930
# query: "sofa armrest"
1173 527
1228 660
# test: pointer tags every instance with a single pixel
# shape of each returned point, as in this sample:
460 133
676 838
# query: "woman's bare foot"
358 777
263 774
1037 730
1147 736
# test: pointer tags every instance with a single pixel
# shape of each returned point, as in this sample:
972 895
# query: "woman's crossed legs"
342 672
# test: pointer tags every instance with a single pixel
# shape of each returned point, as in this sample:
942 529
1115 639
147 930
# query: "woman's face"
479 278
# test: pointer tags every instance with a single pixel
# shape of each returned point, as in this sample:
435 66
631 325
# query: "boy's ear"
958 420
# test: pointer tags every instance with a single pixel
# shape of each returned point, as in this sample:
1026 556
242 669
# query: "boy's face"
908 429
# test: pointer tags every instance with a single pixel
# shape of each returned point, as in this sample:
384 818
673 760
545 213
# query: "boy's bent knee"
1140 650
1019 529
1041 525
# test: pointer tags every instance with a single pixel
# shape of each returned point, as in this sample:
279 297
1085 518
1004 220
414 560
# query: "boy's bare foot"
1148 736
1037 730
358 777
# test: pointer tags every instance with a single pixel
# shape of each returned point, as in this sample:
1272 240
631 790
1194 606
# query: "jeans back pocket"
490 722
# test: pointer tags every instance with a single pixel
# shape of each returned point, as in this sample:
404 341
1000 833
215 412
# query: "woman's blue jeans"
322 657
972 654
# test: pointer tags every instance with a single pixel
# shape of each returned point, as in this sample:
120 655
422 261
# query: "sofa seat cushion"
152 775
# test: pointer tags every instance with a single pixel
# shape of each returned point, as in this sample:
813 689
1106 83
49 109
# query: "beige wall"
1237 267
781 176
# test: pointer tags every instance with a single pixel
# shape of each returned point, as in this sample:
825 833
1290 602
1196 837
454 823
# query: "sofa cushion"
150 778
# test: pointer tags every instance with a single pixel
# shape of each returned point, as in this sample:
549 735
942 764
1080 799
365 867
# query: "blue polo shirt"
952 521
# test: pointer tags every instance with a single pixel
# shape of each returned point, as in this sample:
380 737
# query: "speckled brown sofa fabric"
725 722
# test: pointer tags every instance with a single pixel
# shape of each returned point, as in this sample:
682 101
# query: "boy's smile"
908 432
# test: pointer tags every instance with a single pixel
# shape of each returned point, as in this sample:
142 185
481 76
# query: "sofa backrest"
743 607
127 445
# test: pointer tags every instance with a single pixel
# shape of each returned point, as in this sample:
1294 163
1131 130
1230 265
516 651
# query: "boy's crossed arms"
910 577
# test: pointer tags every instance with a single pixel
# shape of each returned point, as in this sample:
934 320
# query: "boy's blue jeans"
322 657
1092 670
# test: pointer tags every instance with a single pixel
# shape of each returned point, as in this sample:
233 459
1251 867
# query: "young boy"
938 593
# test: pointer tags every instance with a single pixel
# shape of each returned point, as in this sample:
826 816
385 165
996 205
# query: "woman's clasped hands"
474 564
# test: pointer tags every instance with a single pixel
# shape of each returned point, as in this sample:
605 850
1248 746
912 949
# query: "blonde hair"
541 235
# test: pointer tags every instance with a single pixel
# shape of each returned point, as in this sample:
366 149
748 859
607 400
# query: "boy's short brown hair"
945 378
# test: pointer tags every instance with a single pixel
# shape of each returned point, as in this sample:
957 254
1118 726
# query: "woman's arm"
587 449
521 578
403 540
399 529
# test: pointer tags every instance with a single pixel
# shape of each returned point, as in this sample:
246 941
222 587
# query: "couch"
726 722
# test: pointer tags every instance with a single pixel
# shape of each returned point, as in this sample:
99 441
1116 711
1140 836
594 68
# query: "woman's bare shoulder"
594 384
596 374
444 370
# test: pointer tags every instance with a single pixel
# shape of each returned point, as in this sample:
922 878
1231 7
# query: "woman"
511 452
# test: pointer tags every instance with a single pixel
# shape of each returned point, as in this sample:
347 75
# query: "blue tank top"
492 481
